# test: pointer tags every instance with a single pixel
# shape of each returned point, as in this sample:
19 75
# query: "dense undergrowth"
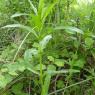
47 47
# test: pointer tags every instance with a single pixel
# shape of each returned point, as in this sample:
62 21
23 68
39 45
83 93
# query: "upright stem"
41 72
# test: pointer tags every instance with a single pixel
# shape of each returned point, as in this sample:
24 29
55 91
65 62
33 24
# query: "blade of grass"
41 5
33 7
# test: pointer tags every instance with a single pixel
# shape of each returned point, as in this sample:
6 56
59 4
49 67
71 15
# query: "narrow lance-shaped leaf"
63 71
70 29
19 14
41 5
46 84
29 29
47 80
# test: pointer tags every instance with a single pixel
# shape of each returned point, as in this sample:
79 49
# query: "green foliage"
53 48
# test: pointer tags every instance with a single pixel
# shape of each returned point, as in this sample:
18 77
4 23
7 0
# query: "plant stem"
41 72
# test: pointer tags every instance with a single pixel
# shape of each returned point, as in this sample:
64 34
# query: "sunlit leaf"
18 15
59 62
45 41
29 54
69 29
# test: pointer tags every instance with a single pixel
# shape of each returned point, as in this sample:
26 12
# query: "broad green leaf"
4 70
13 73
28 66
4 80
45 41
36 21
59 62
12 69
50 58
51 68
79 63
30 53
